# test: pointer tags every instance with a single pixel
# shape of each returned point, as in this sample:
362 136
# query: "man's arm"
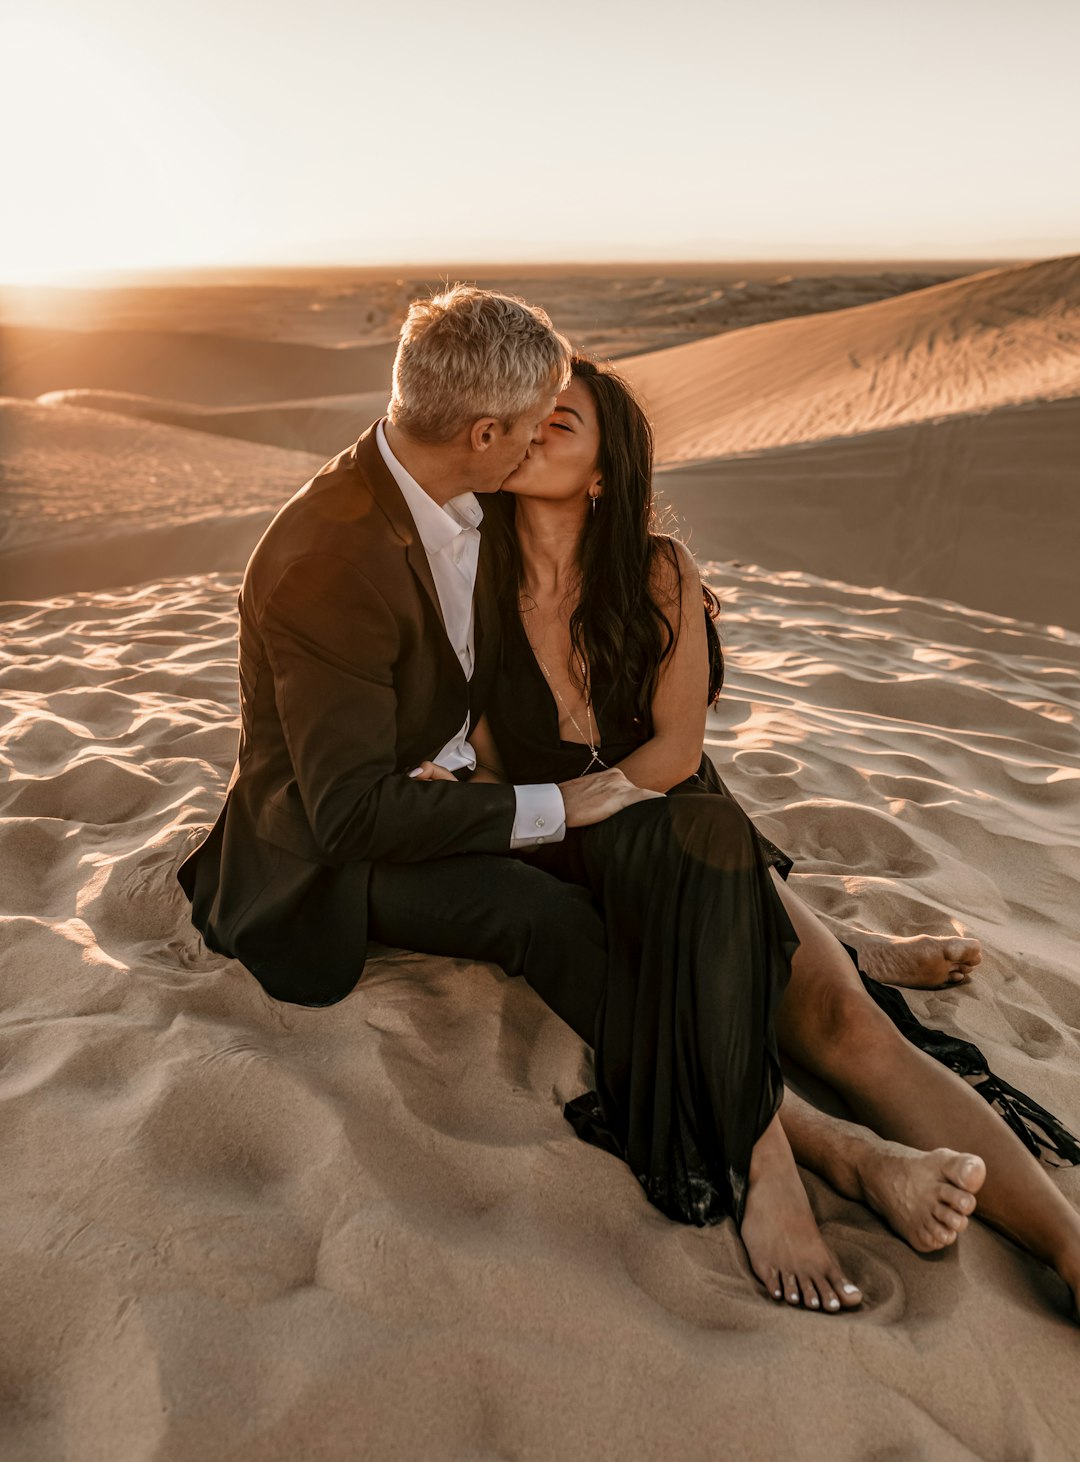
583 801
331 641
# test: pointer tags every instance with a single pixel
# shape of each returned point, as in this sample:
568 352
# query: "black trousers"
676 996
502 909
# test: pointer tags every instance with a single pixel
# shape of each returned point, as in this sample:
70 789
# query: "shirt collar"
437 526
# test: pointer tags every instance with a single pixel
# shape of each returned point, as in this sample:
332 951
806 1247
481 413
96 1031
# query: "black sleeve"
331 641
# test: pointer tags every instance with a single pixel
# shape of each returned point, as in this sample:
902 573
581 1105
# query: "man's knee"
536 906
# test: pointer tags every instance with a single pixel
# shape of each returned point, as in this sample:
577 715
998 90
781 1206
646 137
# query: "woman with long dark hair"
611 658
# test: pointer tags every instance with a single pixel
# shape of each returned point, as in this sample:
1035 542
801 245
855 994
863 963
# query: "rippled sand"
233 1227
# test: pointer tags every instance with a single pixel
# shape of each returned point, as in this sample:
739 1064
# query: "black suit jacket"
347 680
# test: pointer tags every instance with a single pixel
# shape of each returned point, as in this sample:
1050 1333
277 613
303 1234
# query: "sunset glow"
369 134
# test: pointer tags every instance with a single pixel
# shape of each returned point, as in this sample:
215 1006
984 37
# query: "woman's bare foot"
921 962
781 1238
926 1197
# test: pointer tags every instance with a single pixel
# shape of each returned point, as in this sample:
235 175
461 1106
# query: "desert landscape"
239 1229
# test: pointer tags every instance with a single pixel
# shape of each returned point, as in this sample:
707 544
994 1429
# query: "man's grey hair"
470 353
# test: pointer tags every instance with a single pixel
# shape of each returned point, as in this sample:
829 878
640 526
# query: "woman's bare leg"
925 1197
828 1023
781 1236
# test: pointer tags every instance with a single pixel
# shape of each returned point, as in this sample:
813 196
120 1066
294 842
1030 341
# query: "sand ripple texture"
993 339
238 1229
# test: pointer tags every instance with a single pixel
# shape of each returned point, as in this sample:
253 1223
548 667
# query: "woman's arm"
489 767
680 704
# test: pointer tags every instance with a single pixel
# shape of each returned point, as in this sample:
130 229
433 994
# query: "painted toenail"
851 1289
834 1304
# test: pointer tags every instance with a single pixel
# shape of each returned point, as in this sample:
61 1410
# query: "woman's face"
562 464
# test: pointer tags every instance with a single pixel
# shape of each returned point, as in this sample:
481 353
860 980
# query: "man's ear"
482 433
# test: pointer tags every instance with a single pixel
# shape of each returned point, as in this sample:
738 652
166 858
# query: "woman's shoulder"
673 569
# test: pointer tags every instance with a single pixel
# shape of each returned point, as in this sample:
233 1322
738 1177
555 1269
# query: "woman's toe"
791 1290
830 1300
949 1218
963 1170
934 1236
850 1295
810 1295
956 1199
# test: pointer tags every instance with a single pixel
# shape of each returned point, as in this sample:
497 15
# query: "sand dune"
208 370
320 424
234 1226
93 500
980 507
994 339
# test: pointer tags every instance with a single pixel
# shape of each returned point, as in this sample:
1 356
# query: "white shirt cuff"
541 816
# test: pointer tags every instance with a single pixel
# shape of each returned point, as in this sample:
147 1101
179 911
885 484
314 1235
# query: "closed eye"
562 426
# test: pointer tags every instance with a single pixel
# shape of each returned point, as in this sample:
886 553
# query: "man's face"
506 449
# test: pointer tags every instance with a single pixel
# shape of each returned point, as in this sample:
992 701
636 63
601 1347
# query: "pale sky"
140 134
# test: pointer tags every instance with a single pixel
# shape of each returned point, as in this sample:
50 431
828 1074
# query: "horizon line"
199 273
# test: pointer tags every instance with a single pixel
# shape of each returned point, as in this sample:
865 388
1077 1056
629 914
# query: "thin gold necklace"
595 759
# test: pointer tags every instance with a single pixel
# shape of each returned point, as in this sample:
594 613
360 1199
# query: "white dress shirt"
451 539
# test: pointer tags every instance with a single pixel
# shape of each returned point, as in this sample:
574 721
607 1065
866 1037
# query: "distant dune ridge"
315 424
232 1227
996 339
612 309
955 350
202 369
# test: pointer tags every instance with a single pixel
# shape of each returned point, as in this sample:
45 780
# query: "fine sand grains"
237 1229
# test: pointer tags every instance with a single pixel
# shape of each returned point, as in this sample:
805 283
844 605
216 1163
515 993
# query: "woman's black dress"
699 955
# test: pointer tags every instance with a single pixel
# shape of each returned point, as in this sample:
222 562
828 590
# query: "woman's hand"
430 771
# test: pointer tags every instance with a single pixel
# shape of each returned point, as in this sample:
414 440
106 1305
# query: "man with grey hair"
366 648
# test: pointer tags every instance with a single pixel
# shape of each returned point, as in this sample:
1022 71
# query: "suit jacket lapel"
486 608
388 495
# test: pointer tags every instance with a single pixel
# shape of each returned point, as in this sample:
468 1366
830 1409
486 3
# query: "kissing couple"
474 678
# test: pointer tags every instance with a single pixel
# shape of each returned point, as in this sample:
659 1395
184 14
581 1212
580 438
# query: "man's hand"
430 771
594 798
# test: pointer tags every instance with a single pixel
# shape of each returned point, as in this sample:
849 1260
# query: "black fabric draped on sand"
699 955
